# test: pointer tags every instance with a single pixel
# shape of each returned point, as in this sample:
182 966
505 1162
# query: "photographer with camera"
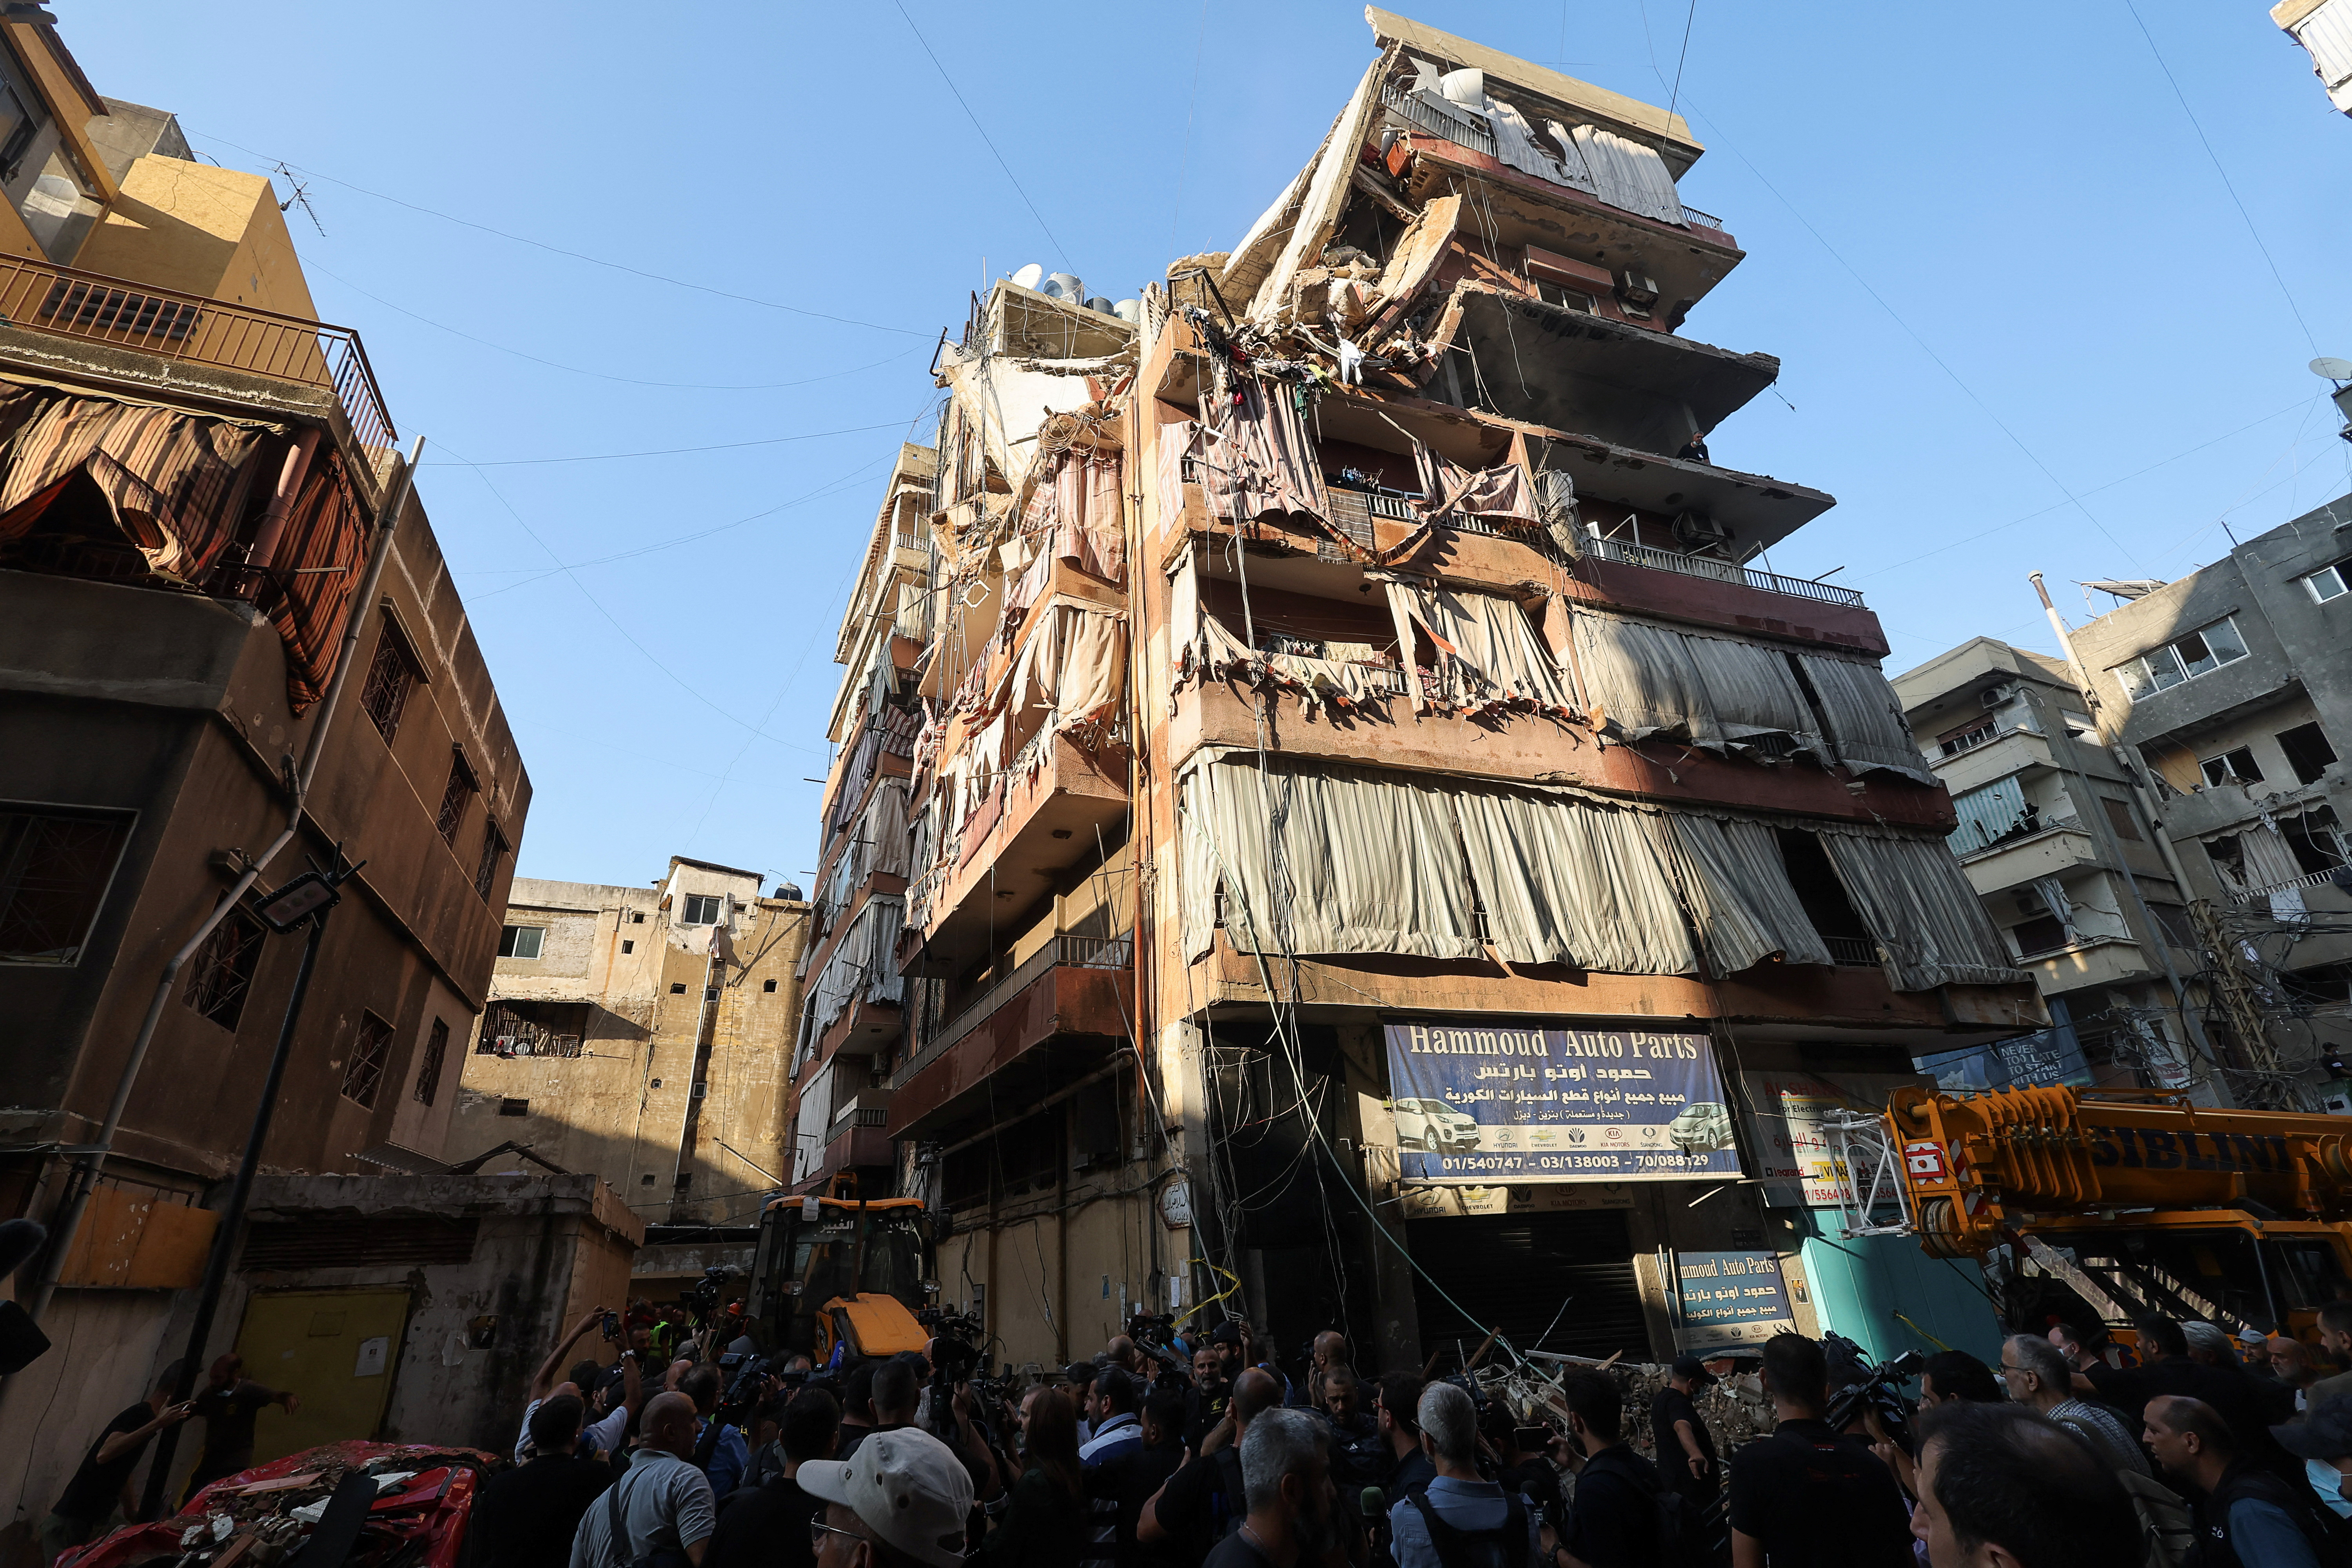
1808 1494
606 1434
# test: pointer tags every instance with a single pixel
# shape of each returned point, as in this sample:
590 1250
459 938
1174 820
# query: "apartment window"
460 789
222 972
2236 765
677 988
520 941
2326 583
363 1074
2314 839
2173 921
710 993
494 844
2307 751
628 947
1553 293
1968 737
767 985
428 1073
392 675
701 909
2120 818
19 123
2183 658
55 867
636 920
2046 934
516 1028
514 1108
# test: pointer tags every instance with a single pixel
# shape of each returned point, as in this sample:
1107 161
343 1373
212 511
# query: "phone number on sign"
1502 1164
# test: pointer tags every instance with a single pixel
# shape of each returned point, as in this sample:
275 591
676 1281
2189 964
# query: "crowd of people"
691 1450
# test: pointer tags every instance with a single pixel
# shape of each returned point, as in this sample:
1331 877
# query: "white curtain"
1918 904
1628 175
1865 717
1740 898
1567 880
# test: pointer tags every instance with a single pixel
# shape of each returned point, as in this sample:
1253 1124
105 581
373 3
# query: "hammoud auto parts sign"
1481 1103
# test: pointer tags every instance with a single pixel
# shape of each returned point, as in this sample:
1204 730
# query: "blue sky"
2023 320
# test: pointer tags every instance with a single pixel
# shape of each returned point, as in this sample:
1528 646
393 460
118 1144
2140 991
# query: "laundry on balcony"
1487 656
1718 693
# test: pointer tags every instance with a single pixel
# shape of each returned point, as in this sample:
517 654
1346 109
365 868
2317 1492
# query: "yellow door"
336 1349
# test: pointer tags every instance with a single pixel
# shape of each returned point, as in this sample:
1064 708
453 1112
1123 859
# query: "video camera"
704 1297
1878 1391
1155 1334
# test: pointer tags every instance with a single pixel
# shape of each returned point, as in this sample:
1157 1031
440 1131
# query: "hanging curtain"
1918 905
319 559
1333 860
1865 717
1262 462
1740 898
167 477
1628 175
1715 692
1567 880
1170 443
1987 815
1075 664
1488 655
2062 907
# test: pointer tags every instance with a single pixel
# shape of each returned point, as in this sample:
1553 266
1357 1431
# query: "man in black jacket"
1135 1472
2245 1512
526 1517
1613 1522
1806 1494
767 1526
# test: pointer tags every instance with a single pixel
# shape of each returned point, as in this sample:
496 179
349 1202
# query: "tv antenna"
303 194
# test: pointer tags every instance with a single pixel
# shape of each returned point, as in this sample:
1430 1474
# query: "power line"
1675 96
574 255
976 125
659 452
2267 259
310 265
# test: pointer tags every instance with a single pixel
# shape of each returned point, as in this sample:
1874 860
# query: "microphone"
1372 1503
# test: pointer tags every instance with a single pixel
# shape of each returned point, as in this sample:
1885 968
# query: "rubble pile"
1734 1408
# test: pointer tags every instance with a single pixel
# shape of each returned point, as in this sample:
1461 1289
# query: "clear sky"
2024 320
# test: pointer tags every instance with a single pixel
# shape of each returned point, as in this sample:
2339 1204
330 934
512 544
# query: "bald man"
666 1507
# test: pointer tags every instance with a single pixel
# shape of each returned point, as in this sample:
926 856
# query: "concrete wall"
626 1108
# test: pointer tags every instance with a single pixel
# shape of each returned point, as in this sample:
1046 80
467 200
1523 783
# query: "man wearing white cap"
902 1499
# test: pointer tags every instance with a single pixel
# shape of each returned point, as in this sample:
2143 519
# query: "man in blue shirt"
1471 1513
720 1452
2245 1514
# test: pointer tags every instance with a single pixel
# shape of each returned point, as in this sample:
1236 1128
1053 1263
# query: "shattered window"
2207 648
222 972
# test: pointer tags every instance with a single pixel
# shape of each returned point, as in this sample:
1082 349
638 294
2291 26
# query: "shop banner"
1488 1105
1730 1299
1784 1128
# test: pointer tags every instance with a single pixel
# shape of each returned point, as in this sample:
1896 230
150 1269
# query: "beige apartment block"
642 1035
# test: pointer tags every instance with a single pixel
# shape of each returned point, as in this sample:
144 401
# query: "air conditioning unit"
2000 696
1637 289
1696 528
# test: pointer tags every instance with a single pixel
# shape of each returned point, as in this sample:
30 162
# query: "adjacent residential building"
2232 687
2324 28
1379 851
2070 869
642 1035
205 532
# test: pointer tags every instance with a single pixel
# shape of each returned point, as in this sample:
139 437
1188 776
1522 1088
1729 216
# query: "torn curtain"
319 559
1488 655
1918 904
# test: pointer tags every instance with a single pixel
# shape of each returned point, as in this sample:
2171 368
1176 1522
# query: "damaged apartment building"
230 647
1376 849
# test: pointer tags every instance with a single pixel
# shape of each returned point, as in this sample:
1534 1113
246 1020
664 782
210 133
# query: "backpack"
1452 1543
2165 1523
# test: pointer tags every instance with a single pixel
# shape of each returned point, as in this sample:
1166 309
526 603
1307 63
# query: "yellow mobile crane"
2131 1201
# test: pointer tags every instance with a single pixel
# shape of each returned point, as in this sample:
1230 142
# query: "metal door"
336 1349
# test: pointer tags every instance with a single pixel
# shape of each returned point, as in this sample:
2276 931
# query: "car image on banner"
1483 1104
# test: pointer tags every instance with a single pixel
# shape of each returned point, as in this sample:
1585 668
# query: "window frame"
393 642
456 795
510 944
494 844
2138 678
126 823
436 1056
370 1058
715 903
251 937
2290 750
2334 569
2205 766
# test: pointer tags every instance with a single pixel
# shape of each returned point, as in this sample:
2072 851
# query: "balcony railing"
1852 952
1720 571
1076 951
1691 215
2309 879
195 329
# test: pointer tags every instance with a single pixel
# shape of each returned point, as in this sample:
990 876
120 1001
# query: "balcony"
1981 761
1049 808
2013 862
858 1141
2091 960
1658 560
193 331
1059 1014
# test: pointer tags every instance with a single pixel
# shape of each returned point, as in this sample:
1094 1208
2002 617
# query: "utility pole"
304 901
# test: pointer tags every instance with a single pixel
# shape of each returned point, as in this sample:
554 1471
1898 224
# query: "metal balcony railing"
1075 952
195 329
1852 952
1720 571
1691 215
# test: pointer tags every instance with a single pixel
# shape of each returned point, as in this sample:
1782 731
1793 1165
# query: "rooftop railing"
193 328
1659 560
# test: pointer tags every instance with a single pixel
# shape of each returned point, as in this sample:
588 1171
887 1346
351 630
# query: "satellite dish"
1030 276
2333 369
